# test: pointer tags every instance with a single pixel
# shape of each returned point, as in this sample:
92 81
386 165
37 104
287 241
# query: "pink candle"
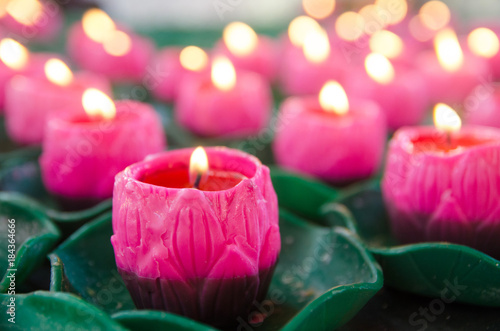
191 251
30 100
176 64
83 153
96 44
38 20
401 91
16 60
248 51
230 104
453 74
482 107
337 140
485 43
444 186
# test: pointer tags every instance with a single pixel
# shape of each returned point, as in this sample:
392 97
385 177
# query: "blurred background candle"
32 19
442 184
175 64
482 106
227 103
82 152
331 137
451 74
307 61
249 51
400 90
98 44
30 99
196 251
484 43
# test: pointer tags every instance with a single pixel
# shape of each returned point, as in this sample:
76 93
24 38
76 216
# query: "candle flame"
448 50
446 119
25 12
333 98
393 11
350 26
13 54
193 58
483 42
97 103
223 73
319 9
379 68
300 27
316 46
58 72
386 43
118 43
240 38
198 165
97 25
435 15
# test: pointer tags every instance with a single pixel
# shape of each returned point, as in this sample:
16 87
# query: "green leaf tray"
433 269
323 278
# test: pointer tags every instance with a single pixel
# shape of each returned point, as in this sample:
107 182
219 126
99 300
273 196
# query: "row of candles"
189 216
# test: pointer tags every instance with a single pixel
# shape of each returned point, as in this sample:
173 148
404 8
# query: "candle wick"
197 181
448 140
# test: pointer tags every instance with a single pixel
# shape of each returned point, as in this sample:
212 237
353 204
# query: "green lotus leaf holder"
31 234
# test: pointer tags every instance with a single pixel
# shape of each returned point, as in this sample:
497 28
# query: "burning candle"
176 65
452 75
98 44
83 151
227 104
307 60
442 184
196 251
400 90
249 51
330 137
29 100
32 19
484 43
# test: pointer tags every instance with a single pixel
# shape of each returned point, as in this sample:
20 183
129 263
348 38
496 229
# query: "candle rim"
136 172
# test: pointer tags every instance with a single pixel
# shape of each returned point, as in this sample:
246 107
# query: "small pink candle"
227 104
249 51
453 74
443 185
82 153
482 107
16 60
400 90
485 43
30 100
176 65
196 250
33 20
337 140
96 44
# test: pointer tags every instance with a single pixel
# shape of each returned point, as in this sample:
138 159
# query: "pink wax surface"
81 156
482 107
298 76
452 87
437 193
207 111
165 86
263 60
404 101
29 101
45 26
34 68
185 233
337 149
91 55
